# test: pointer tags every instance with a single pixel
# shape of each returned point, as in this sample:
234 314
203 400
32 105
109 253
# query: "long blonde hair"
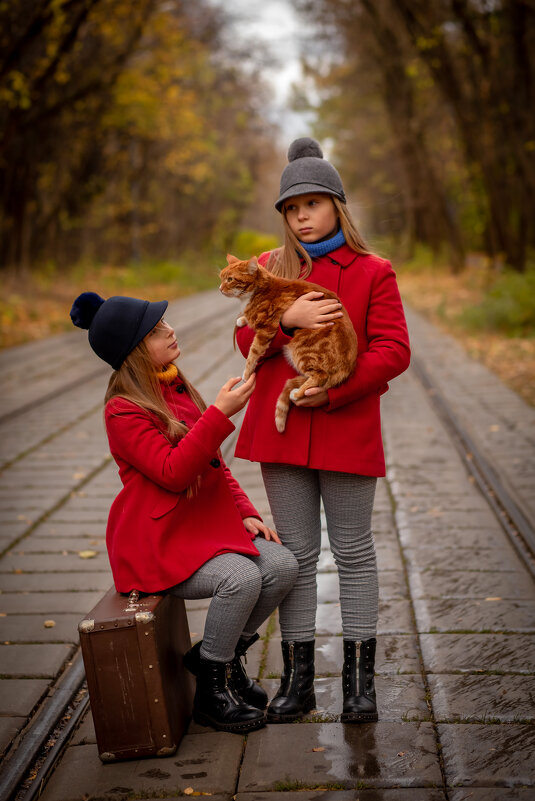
286 260
137 381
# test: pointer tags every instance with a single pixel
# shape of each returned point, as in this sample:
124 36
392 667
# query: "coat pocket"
165 503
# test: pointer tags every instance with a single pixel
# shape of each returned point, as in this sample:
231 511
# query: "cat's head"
238 278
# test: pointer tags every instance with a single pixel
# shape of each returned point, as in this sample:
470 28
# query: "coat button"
215 463
181 388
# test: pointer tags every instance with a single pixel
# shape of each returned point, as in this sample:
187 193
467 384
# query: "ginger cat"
323 357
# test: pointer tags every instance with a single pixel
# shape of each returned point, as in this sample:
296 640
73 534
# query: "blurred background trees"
430 107
138 130
127 130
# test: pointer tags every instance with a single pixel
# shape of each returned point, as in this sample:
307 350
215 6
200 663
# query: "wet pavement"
456 646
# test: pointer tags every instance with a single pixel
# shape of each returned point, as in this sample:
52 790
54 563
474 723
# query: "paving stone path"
456 645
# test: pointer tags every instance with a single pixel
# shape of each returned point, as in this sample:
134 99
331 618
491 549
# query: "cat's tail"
283 401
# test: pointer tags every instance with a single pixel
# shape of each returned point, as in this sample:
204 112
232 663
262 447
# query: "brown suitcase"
140 692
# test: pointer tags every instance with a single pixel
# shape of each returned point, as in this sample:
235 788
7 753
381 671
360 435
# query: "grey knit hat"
308 172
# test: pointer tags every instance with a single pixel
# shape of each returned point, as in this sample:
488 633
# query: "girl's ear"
231 259
252 265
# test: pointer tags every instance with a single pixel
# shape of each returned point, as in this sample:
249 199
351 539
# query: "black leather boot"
249 690
296 692
358 683
216 704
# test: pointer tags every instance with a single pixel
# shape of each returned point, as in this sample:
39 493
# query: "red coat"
345 434
156 536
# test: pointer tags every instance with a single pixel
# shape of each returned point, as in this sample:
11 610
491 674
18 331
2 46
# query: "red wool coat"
156 536
345 434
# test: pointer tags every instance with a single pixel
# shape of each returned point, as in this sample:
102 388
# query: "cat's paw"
280 425
241 321
294 395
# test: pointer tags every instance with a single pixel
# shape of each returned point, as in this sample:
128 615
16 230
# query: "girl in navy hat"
331 450
182 523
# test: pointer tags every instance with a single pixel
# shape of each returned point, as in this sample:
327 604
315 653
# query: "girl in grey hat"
331 450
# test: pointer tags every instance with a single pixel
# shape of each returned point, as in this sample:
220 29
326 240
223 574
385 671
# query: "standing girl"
332 448
181 523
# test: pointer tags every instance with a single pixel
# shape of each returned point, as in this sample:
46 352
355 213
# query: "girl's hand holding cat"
256 527
310 312
315 396
229 400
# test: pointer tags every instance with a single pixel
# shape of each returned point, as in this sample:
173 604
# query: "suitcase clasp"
144 617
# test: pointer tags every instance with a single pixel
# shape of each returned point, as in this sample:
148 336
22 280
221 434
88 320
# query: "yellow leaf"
188 791
49 624
497 598
87 554
320 748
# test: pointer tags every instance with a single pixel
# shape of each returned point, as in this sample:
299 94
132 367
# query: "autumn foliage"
430 106
127 130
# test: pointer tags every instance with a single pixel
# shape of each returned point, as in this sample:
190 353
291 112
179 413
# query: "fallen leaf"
188 791
78 476
17 570
3 614
497 598
401 753
320 748
49 624
494 427
87 554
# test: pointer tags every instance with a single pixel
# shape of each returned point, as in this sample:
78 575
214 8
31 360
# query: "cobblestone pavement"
456 646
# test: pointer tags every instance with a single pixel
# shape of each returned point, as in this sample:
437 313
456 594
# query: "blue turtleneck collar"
316 249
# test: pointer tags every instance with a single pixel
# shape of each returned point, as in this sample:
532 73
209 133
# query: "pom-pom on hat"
308 172
115 325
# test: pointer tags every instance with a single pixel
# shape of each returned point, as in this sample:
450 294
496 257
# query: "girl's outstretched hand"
308 311
229 400
256 527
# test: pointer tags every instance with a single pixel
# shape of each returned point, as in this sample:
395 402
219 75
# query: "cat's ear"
252 265
231 259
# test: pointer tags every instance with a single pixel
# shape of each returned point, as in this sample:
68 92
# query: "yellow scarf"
169 374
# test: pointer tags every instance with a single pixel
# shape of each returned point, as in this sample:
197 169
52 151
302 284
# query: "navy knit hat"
115 325
308 172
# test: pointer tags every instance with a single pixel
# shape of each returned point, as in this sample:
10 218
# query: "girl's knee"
291 566
243 580
285 570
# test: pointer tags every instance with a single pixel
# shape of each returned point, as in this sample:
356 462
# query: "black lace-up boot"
249 690
217 704
358 681
296 692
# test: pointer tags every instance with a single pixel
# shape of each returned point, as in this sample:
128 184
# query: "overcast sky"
282 31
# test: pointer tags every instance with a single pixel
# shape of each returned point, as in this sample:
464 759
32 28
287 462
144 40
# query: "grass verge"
491 313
